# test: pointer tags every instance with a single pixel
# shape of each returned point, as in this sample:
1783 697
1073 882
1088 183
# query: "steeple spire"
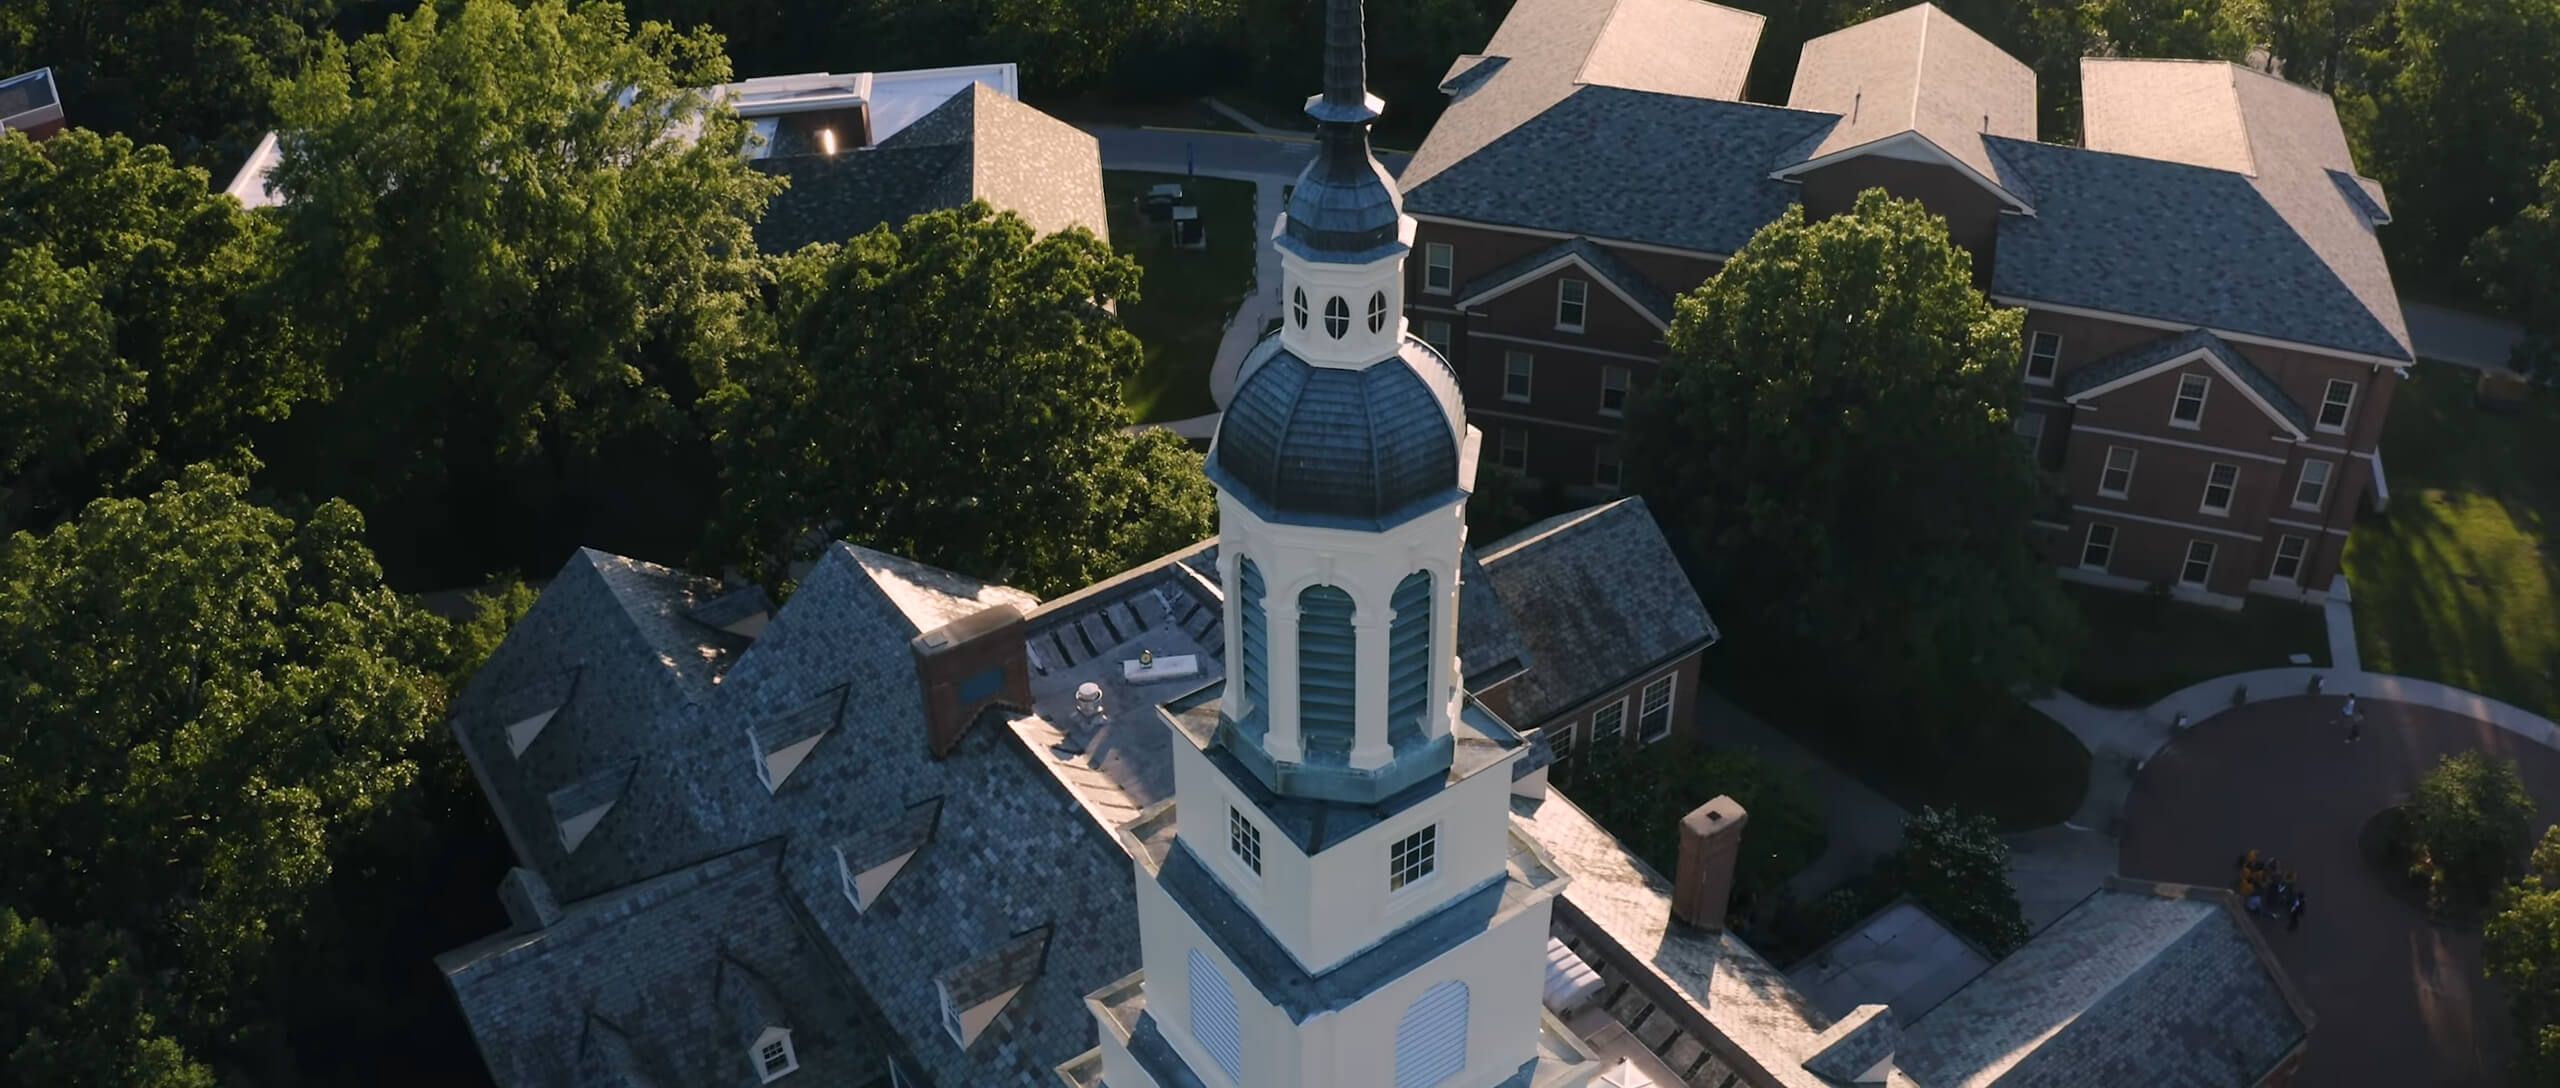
1345 209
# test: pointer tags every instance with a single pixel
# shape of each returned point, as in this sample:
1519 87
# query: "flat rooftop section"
1901 956
898 98
1087 637
29 99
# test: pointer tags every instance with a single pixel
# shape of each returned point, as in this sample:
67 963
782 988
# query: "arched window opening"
1328 664
1254 635
1409 657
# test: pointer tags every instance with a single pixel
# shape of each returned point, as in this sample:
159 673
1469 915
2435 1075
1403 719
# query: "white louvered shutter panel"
1431 1041
1213 1017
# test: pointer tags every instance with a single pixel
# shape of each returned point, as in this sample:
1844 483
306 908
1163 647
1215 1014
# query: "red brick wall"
1971 211
1684 706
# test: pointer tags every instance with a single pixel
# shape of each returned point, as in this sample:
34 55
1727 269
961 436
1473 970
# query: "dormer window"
780 745
951 1016
578 807
527 708
774 1056
974 994
868 861
1573 303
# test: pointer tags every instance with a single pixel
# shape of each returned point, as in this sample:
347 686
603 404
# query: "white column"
1448 680
1280 676
1369 622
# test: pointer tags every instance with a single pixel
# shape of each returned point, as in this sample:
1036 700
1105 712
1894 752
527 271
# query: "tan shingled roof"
1916 70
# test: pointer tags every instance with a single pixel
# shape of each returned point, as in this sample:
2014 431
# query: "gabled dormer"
607 1058
972 994
527 707
869 860
578 807
756 1018
743 612
781 743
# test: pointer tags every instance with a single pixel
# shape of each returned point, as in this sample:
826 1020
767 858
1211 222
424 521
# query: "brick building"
2211 329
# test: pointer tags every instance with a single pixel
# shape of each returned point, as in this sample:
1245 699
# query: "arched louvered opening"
1213 1016
1253 637
1328 663
1431 1040
1409 659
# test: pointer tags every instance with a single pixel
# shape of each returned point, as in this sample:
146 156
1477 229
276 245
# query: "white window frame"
2329 399
2320 487
2046 348
1625 387
1413 859
764 1066
2108 548
1377 316
1560 740
1439 264
2178 401
2132 459
1440 343
1576 294
951 1024
1606 454
2229 491
1521 365
2029 425
1669 686
2301 554
2187 562
1244 840
1502 456
1615 710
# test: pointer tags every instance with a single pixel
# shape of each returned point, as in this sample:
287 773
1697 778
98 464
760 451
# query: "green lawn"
2460 581
1187 295
2141 648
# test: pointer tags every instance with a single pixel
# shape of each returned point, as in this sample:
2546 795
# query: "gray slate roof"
2136 985
1365 448
1490 649
2136 360
1598 597
1649 298
979 145
666 982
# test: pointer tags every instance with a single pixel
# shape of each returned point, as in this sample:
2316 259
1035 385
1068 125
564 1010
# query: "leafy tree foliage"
2469 820
137 328
2521 944
513 230
192 75
2520 264
1954 863
73 1013
951 391
204 696
1640 796
1830 440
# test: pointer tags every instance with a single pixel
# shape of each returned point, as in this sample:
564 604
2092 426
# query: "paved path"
2473 340
1256 127
1862 824
2399 1001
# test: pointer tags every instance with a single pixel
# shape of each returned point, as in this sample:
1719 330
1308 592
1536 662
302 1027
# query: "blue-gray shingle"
1598 597
1366 448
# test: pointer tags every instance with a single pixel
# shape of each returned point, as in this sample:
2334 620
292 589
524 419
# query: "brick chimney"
1710 842
967 665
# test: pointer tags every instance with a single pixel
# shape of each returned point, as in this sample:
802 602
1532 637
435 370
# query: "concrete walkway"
1250 125
1862 824
2473 340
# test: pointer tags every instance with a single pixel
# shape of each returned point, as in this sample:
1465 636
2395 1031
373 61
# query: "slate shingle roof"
1602 263
981 144
1598 597
1366 448
2136 360
2139 984
627 987
1490 649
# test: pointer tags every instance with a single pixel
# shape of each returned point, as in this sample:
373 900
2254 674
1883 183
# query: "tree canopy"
1955 864
950 391
2521 949
1640 796
513 229
205 696
194 76
2520 262
1830 442
2469 819
138 330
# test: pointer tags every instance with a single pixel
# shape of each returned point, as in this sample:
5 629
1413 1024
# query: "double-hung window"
1437 262
2313 487
1436 334
2030 428
2289 553
1517 368
2116 478
1515 448
2335 402
1573 301
2199 565
2099 548
2219 482
2188 411
1613 390
1560 741
2044 355
1609 723
1653 718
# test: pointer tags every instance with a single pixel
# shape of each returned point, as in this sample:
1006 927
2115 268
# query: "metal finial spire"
1345 57
1346 204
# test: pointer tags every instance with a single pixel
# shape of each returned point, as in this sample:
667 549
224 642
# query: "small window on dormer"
782 743
774 1056
869 860
951 1016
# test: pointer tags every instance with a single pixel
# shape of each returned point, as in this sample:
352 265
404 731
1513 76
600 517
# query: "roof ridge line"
1593 46
1561 522
1920 67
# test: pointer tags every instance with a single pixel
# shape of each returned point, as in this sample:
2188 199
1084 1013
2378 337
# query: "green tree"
1830 440
138 330
192 75
204 695
2519 264
2468 820
1954 863
1640 796
951 391
513 229
75 1015
2521 944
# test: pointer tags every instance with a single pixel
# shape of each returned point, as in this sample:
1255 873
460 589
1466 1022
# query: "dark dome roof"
1323 445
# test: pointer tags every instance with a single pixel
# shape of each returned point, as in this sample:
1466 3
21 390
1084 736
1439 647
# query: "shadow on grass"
2142 648
1185 296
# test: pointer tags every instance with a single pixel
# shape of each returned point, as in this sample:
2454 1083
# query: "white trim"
2315 447
2346 419
2210 359
1505 287
790 1056
2212 551
2292 524
2269 587
2189 526
1452 251
2328 477
2055 359
1585 304
1474 412
1670 683
1602 352
2085 576
1620 705
2090 536
2178 399
2231 491
2107 464
2182 326
2299 561
1426 307
2048 402
1897 141
1537 232
1528 376
2165 441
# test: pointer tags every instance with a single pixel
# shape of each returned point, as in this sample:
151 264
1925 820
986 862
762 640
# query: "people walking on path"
2353 719
2293 912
